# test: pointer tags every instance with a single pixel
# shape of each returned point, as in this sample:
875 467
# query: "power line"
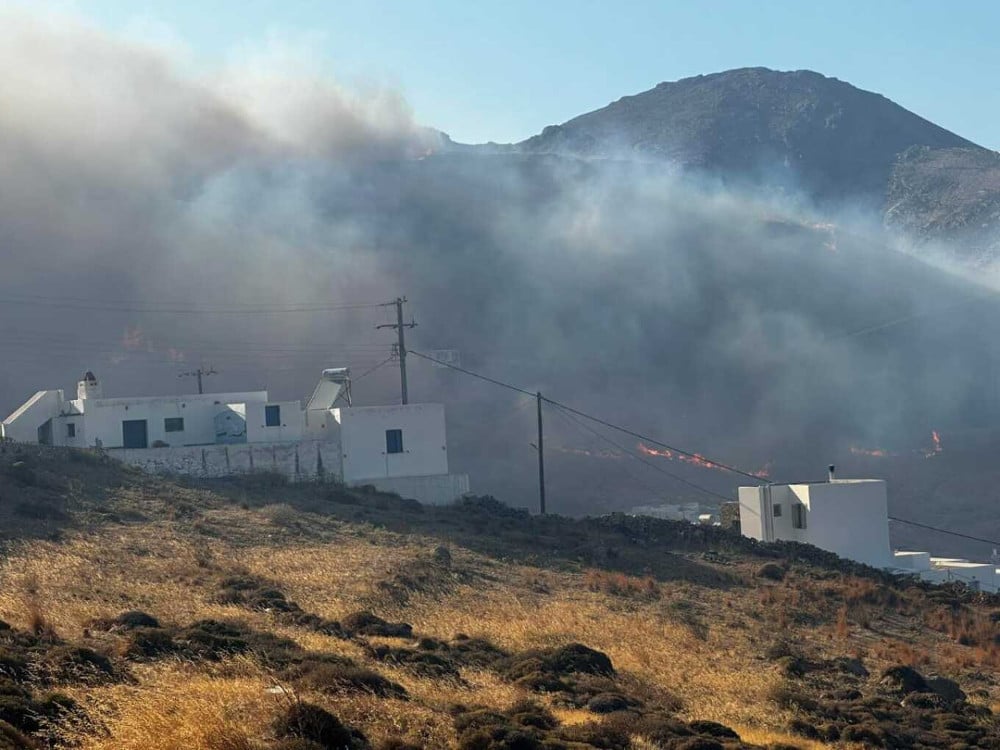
640 459
96 305
699 457
385 361
473 374
945 531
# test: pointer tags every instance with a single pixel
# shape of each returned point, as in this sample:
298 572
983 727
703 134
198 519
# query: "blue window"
393 441
272 416
173 424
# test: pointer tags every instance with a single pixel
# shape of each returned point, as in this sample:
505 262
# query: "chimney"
89 387
832 469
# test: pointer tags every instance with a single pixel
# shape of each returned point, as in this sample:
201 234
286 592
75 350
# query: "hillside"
799 128
949 195
253 614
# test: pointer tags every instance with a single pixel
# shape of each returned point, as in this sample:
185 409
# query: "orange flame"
933 451
695 460
873 452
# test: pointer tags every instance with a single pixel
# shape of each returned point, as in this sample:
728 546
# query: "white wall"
850 518
23 424
978 575
296 461
290 429
363 441
909 560
102 419
751 501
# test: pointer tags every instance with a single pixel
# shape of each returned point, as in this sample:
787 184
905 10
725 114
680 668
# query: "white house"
847 516
977 575
395 448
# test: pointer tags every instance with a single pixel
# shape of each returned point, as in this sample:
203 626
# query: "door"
134 434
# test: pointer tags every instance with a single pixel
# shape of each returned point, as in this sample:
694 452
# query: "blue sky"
502 71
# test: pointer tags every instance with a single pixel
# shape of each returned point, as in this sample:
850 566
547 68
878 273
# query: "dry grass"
698 643
770 737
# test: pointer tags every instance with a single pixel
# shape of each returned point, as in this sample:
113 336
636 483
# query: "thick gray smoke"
723 320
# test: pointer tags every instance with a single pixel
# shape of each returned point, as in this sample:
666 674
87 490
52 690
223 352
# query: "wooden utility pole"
198 374
541 458
400 327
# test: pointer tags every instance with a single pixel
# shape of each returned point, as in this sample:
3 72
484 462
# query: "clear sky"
502 71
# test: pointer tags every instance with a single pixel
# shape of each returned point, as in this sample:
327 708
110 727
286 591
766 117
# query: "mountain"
802 130
948 195
800 126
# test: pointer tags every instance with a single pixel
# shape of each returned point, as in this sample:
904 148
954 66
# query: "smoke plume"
153 216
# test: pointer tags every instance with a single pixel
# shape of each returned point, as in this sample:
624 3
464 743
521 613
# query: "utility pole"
400 327
198 374
541 458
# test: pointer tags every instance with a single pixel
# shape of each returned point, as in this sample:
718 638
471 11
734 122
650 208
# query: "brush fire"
696 460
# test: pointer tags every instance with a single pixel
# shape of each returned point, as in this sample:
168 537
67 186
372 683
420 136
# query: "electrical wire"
598 420
138 307
470 372
944 531
630 454
385 361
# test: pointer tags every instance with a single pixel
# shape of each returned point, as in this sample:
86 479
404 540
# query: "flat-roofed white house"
849 517
400 448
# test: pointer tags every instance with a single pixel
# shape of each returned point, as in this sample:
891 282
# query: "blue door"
134 433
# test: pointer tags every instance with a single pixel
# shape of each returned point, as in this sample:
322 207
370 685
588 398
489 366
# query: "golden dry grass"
699 644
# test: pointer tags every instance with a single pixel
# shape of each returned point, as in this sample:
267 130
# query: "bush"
12 739
77 664
333 676
713 729
306 721
771 571
365 623
903 680
148 643
22 473
130 620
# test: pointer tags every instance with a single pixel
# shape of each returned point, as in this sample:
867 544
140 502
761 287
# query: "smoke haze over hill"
734 321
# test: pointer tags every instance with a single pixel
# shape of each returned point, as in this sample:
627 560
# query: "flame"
133 338
696 460
936 448
873 452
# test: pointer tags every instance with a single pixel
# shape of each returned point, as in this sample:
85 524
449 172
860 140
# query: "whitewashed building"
395 448
980 576
849 517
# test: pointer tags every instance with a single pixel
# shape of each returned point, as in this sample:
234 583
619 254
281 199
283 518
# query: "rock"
947 689
903 680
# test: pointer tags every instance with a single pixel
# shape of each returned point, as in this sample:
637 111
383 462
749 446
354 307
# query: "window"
393 441
777 510
173 424
798 516
272 416
71 429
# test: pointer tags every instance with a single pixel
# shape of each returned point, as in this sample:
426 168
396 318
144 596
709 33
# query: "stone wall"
308 460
